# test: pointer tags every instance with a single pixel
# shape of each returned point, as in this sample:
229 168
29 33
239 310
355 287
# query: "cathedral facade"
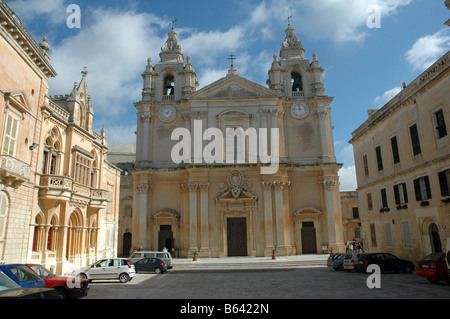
235 168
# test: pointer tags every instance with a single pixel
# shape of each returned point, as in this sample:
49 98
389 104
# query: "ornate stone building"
232 207
58 193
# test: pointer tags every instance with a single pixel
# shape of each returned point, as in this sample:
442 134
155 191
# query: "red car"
433 267
67 287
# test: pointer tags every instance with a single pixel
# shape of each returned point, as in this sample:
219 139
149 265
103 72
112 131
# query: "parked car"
386 261
10 290
108 268
433 267
350 261
166 257
150 264
23 276
67 287
331 259
338 262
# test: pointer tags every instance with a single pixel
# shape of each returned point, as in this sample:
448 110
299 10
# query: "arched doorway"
127 239
435 239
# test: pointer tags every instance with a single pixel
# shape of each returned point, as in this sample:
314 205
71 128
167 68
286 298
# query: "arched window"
38 232
435 238
296 81
169 85
52 149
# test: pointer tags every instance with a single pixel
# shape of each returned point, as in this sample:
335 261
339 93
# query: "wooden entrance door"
309 238
165 239
237 236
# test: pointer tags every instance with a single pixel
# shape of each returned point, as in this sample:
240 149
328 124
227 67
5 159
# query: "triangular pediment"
18 99
232 86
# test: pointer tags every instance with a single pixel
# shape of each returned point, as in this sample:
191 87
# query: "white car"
108 268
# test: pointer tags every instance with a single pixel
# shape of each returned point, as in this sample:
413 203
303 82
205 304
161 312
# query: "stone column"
193 242
279 213
268 222
334 215
204 239
142 217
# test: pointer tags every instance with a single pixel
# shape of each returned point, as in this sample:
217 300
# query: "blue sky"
364 66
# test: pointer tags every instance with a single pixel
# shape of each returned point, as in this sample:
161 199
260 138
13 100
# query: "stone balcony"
64 189
13 172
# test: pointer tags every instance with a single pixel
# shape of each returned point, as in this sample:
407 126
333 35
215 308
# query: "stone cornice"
11 23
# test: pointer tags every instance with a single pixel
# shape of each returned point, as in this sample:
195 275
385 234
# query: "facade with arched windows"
58 193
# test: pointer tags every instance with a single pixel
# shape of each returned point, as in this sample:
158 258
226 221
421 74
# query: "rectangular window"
384 201
395 153
373 235
444 182
357 232
369 201
439 122
366 166
422 188
406 234
415 140
400 193
355 212
11 135
387 229
379 158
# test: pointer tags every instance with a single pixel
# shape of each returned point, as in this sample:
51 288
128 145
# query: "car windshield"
23 273
41 271
7 283
432 257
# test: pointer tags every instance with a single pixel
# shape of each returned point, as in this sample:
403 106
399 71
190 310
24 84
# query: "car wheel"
82 276
124 278
157 270
336 269
62 293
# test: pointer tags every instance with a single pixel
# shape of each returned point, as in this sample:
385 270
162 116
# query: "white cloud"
115 49
53 10
331 19
428 49
381 100
347 178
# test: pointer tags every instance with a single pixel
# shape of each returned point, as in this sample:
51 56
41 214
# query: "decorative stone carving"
235 178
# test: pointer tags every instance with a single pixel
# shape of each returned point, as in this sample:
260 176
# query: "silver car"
108 268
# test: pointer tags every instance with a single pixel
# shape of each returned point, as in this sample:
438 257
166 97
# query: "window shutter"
443 183
427 185
417 190
406 234
387 228
396 195
405 192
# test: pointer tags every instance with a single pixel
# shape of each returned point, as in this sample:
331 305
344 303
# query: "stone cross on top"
288 20
173 23
232 58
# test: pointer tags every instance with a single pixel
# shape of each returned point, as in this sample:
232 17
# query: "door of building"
237 236
165 239
309 238
126 248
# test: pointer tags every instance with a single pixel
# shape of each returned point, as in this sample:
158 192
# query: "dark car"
10 290
433 267
387 262
67 287
23 276
150 264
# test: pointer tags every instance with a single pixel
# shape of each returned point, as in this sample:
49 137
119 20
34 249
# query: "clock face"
167 113
300 110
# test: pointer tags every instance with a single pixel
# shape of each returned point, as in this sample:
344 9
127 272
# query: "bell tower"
171 79
293 75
